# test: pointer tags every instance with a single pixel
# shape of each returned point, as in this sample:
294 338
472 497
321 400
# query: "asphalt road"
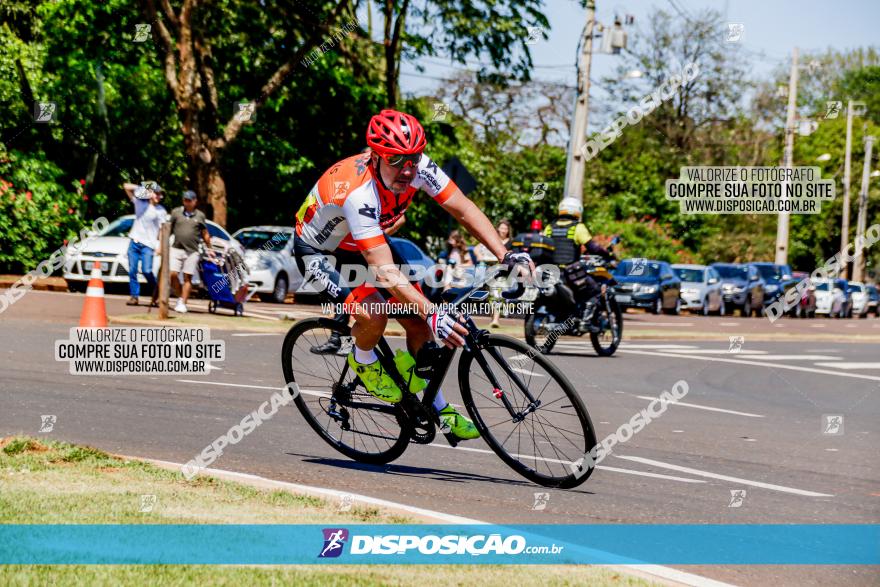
753 420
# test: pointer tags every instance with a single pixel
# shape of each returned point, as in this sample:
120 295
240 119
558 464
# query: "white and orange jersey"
348 208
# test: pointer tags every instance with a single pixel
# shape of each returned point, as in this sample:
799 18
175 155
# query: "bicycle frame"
421 416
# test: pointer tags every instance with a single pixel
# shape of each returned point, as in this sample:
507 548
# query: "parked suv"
773 275
700 289
649 284
741 287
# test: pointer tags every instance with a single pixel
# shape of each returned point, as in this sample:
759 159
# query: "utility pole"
859 264
574 179
847 158
782 223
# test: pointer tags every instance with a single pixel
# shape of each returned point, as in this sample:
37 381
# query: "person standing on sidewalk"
144 235
188 227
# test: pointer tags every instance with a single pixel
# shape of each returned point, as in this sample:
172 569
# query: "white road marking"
607 468
637 323
729 324
750 439
746 362
796 358
700 473
655 346
817 326
722 352
699 407
832 449
823 351
849 365
526 372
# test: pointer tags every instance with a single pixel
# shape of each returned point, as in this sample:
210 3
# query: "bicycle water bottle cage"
427 357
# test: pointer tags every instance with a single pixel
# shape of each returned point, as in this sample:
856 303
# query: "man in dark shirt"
188 227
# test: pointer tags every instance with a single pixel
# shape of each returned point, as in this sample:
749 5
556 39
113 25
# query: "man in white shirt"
144 235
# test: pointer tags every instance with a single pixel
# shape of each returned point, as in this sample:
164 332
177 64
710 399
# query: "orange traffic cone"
94 313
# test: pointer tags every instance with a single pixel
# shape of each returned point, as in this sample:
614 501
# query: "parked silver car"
700 289
269 258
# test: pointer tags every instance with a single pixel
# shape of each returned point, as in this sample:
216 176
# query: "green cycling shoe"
376 380
406 365
458 424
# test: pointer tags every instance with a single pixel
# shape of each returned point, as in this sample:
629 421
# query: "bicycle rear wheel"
334 402
545 442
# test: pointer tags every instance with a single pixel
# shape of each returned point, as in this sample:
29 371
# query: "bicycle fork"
498 390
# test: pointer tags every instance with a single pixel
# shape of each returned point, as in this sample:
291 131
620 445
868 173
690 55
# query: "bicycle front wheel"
547 432
332 399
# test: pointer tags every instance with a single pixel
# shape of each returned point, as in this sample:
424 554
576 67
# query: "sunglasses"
401 161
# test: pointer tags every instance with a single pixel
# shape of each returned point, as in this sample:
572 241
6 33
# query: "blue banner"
740 544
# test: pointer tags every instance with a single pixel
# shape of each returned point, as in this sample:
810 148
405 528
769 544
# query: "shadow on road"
422 472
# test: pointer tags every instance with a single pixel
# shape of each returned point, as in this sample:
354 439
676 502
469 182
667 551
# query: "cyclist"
345 216
571 238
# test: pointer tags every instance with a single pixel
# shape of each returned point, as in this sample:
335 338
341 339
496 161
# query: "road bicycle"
524 407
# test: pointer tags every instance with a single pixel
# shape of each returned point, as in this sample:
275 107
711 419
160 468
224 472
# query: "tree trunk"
212 190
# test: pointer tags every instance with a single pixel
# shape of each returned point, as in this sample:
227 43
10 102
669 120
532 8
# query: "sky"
772 29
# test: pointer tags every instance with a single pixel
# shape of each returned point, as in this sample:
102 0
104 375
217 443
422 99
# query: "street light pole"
847 158
574 180
782 223
859 264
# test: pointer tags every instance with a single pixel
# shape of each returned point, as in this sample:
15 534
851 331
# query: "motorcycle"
561 308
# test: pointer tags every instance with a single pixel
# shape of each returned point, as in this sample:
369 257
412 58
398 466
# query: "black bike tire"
530 336
594 336
566 482
379 458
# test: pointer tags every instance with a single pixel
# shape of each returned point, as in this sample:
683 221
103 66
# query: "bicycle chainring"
422 427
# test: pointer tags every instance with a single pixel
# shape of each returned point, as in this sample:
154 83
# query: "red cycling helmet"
395 133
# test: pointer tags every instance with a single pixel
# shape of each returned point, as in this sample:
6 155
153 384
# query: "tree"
458 29
190 37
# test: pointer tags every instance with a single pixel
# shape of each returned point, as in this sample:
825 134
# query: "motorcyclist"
571 239
539 247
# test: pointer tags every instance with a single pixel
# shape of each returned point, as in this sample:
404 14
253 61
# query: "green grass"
47 482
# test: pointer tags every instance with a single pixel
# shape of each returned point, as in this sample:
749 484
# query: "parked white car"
860 299
110 248
830 299
700 289
269 258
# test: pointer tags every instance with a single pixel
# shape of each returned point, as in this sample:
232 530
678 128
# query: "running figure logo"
541 500
737 498
832 424
47 423
736 344
334 541
638 266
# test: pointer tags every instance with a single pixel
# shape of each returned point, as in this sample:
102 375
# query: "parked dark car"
742 287
873 301
773 276
648 284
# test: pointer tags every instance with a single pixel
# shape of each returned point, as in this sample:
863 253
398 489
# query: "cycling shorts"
322 270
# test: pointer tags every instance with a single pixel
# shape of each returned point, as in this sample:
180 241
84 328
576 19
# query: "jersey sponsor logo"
429 177
340 188
318 272
369 212
432 167
325 232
